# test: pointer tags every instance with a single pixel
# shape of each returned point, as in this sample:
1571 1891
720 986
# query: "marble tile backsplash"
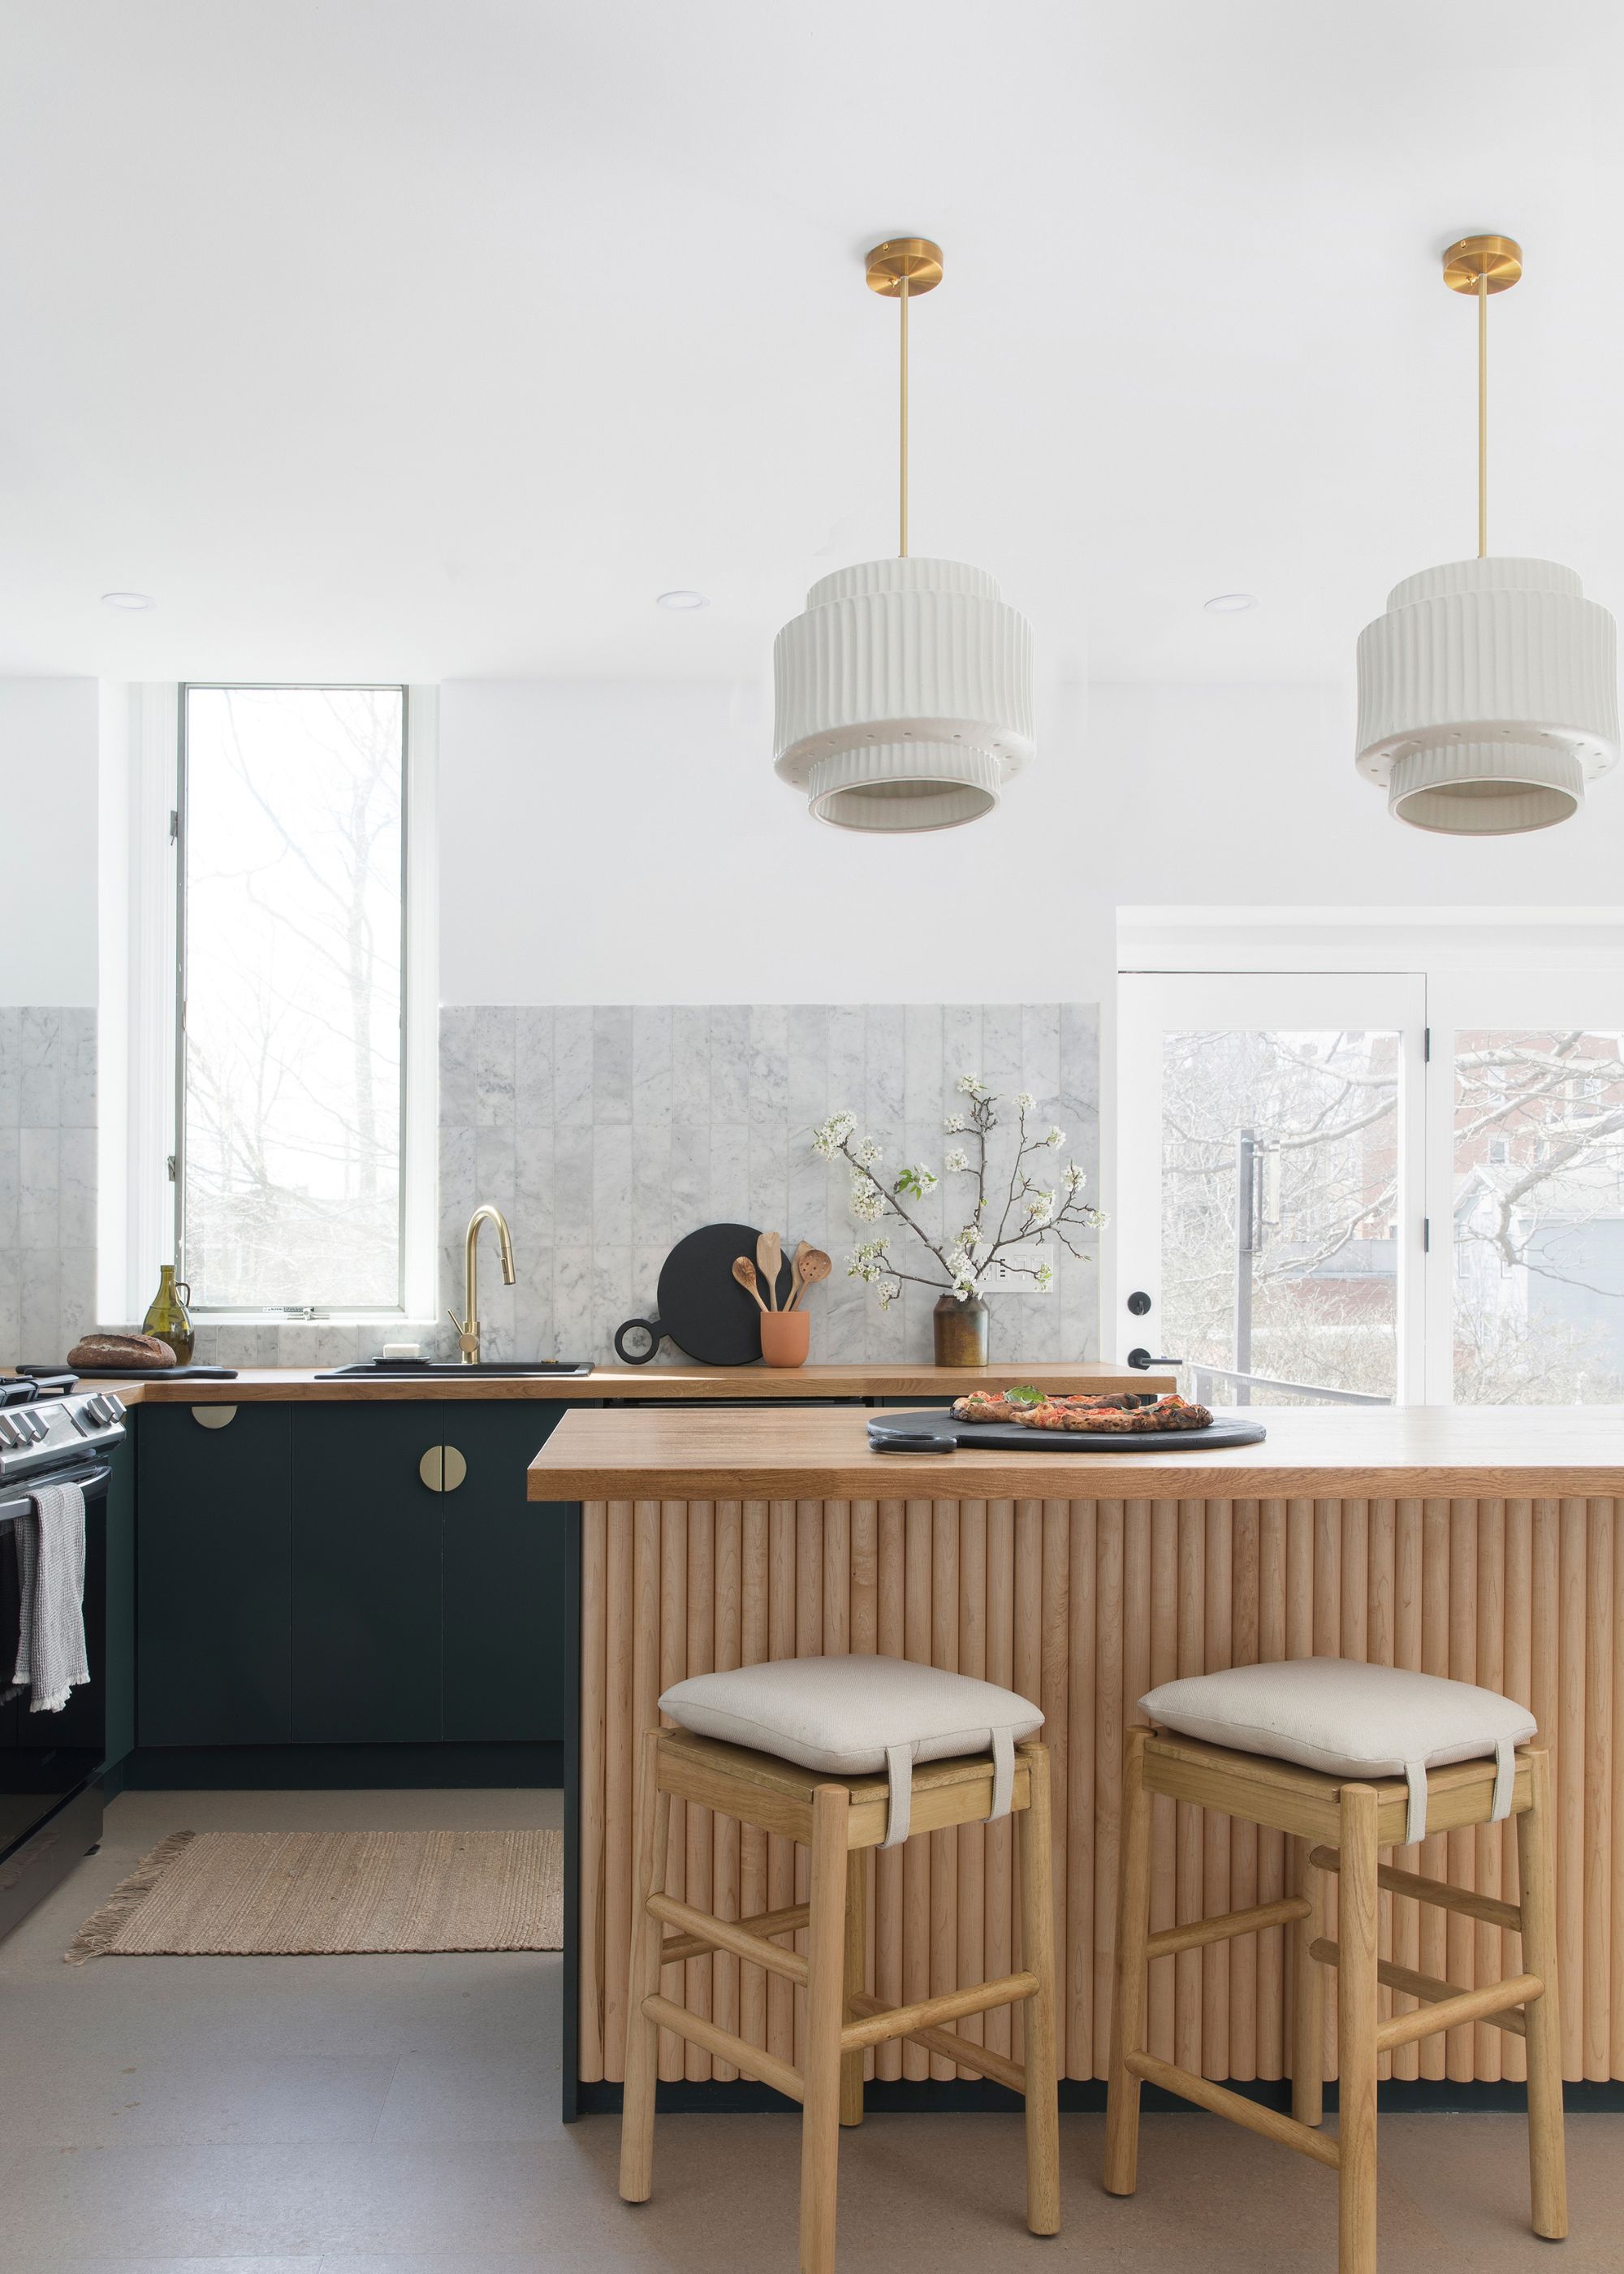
47 1180
604 1133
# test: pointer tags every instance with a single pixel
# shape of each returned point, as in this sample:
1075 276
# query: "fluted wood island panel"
1083 1604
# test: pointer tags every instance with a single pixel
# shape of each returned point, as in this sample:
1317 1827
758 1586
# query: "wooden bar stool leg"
642 2036
1307 1994
820 2116
1357 2024
856 1924
1034 1842
1547 2160
1122 2106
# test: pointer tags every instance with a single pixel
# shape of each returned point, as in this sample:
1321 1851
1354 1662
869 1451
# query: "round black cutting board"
1010 1437
701 1306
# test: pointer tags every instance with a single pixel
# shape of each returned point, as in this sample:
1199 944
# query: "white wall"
629 842
48 841
626 842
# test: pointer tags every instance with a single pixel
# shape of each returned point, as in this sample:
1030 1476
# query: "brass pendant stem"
901 270
1482 265
1483 417
902 516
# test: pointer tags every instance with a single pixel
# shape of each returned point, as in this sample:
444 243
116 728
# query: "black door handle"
1141 1360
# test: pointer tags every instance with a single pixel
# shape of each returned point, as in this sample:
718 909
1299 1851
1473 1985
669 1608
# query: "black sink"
390 1369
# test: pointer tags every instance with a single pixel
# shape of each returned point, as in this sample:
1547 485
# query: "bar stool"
1347 1758
793 1746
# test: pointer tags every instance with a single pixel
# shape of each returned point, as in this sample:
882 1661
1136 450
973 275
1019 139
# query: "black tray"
1010 1437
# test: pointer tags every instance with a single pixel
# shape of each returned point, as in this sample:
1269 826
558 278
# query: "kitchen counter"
696 1384
1479 1544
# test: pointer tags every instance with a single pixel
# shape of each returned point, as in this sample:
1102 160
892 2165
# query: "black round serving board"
1010 1437
702 1307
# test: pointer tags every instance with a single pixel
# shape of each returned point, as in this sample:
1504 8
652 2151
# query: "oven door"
47 1758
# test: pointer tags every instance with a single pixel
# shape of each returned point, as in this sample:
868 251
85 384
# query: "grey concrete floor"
399 2116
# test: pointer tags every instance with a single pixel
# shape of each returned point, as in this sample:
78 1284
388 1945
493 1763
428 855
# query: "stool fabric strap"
1504 1779
900 1770
1003 1773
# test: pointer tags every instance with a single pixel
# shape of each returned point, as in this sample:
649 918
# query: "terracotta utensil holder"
785 1336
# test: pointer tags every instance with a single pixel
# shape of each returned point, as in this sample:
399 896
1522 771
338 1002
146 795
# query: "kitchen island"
1478 1544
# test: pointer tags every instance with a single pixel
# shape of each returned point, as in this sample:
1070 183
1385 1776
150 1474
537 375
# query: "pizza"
1115 1420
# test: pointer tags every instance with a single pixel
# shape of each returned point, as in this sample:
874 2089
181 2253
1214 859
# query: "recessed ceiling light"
1229 604
130 600
679 602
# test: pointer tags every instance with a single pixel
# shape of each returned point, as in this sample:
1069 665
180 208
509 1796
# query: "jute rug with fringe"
318 1894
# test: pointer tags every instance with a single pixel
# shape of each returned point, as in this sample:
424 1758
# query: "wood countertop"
691 1384
1380 1452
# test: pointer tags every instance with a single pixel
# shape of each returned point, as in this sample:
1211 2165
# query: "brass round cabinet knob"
442 1468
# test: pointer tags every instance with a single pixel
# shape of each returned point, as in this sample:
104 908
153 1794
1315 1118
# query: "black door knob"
1138 1302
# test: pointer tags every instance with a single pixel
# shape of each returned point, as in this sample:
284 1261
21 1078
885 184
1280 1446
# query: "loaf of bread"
139 1352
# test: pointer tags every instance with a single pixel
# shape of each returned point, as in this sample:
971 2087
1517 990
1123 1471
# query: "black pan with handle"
700 1305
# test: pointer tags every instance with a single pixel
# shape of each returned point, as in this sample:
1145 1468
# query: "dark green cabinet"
118 1643
213 1556
504 1580
299 1583
367 1581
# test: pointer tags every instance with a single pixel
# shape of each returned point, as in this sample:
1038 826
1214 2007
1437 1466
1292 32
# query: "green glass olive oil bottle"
168 1317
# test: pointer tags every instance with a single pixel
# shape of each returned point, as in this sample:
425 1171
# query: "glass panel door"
1269 1184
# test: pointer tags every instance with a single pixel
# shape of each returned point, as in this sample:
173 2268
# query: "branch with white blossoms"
976 1256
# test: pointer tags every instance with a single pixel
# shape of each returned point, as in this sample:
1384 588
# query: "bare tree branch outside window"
1321 1263
1538 1217
291 1090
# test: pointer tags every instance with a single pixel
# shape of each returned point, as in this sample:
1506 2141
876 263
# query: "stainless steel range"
51 1764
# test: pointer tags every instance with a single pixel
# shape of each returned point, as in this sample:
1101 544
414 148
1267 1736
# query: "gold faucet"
467 1325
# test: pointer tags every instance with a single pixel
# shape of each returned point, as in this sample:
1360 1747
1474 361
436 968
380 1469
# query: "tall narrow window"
289 1160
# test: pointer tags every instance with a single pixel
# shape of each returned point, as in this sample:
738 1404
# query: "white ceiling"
420 338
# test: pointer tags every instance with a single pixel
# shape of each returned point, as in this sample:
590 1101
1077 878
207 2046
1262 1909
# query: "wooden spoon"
796 1262
769 1263
815 1268
744 1272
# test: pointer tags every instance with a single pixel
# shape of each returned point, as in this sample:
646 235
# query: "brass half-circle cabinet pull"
442 1468
213 1417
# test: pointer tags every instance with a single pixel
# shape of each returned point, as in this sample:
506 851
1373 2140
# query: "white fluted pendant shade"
1488 697
904 696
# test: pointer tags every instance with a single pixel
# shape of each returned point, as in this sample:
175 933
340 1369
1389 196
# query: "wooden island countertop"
1391 1452
691 1384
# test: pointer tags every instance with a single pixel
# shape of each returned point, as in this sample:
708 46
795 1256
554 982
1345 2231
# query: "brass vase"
168 1317
961 1331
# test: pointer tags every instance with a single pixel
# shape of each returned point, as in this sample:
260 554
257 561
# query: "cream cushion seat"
1339 1715
854 1715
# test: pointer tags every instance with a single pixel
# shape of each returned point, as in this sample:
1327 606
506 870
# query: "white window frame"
137 1209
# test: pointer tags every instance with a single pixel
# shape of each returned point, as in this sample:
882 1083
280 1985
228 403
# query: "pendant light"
904 694
1488 693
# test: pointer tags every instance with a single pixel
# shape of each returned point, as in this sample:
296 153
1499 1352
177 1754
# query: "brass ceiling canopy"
912 261
1483 264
